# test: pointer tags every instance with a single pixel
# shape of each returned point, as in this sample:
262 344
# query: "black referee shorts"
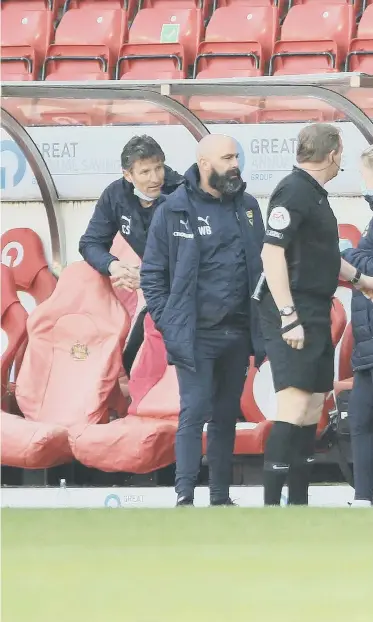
310 369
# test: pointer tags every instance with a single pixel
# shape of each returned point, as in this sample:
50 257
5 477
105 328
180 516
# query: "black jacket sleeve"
95 244
155 275
258 223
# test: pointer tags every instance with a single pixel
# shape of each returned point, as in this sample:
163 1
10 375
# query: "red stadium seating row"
68 382
210 109
93 40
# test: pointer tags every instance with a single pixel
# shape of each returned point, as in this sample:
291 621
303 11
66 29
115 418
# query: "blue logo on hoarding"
112 501
17 173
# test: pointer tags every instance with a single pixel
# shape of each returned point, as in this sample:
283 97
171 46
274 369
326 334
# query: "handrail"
46 185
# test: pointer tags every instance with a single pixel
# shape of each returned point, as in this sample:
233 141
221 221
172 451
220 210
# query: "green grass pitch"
187 565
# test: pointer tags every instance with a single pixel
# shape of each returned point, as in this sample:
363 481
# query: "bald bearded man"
200 267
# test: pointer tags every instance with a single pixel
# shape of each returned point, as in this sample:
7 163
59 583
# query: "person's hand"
295 336
124 276
365 286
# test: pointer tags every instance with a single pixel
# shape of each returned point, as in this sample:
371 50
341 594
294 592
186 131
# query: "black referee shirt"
301 221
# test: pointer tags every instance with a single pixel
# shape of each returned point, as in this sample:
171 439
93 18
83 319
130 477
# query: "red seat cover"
31 444
155 393
129 300
13 324
133 444
349 236
74 355
345 353
23 251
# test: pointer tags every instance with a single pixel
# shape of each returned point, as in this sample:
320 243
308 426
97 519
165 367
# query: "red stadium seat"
294 109
360 55
133 302
23 444
145 61
168 25
130 6
345 376
62 112
204 5
154 391
133 445
238 42
356 4
281 5
13 326
225 109
31 444
338 325
349 237
86 44
363 98
350 233
138 112
153 384
314 39
345 369
21 109
22 250
18 63
144 440
338 321
25 36
53 6
74 355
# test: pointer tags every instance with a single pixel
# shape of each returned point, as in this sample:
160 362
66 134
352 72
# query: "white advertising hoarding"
84 160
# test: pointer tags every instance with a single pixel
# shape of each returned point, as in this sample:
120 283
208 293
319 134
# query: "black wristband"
285 329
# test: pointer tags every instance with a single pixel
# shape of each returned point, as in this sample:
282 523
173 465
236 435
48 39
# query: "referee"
302 263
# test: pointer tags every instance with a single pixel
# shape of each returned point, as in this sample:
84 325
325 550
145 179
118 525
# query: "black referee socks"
278 457
301 465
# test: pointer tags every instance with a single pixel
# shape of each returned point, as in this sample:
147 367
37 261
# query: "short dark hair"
140 148
316 141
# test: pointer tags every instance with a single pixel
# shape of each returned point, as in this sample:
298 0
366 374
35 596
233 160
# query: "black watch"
286 311
356 278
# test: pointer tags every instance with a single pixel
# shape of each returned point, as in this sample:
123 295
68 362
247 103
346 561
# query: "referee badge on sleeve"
279 218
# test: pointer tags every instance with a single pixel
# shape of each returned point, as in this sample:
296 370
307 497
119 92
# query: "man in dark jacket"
200 267
361 399
128 205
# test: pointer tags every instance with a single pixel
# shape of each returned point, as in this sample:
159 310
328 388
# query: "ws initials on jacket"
118 209
200 267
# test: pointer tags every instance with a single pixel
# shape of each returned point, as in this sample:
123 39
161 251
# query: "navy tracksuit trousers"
361 426
211 394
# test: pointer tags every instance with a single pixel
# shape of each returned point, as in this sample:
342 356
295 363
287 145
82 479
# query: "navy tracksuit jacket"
118 209
200 267
361 400
170 268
